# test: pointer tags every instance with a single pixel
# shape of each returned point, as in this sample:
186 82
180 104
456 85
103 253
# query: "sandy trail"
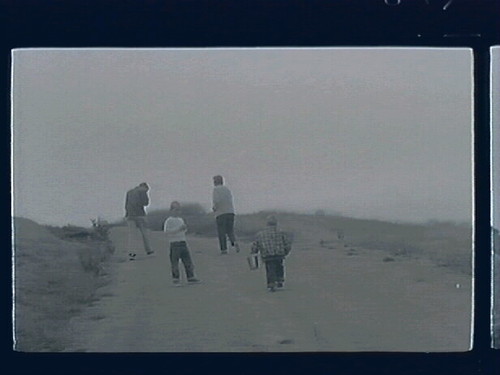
332 301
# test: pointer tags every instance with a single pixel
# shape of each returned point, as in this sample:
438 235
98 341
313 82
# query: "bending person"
135 202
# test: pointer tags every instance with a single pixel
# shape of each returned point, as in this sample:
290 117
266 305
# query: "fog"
372 133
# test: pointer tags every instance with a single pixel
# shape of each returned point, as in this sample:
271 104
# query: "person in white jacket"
222 205
176 228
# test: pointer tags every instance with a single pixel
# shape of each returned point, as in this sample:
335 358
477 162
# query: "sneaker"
176 282
193 280
237 247
271 289
279 284
223 252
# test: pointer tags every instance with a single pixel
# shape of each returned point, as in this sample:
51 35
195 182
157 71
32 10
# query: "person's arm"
126 204
215 199
183 227
166 226
287 244
173 227
144 199
255 247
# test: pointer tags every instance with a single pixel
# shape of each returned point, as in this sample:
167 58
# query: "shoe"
237 247
223 252
176 282
279 284
193 280
271 289
131 256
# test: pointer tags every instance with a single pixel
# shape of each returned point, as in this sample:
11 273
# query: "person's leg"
230 231
271 273
229 226
141 225
221 232
187 262
280 272
132 227
174 262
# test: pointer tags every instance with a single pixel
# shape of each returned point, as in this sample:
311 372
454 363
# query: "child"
273 246
175 228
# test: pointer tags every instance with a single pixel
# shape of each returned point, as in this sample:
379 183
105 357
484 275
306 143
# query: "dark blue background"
270 23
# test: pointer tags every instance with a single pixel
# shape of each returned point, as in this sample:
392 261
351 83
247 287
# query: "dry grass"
54 279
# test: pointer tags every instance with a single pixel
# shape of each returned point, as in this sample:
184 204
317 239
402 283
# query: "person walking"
135 202
222 206
176 229
273 246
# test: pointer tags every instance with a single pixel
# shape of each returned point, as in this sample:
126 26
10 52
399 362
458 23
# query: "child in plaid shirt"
273 246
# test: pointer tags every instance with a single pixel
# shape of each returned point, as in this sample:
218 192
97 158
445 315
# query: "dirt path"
333 301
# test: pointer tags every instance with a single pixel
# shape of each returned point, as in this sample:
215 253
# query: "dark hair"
218 180
271 220
174 204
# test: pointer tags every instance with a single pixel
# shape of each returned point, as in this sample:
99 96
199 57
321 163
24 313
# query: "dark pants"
179 250
225 227
275 270
138 222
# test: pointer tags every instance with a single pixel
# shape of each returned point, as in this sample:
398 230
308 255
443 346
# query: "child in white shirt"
176 229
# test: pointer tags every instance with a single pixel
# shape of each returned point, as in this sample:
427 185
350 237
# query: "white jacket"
175 228
222 200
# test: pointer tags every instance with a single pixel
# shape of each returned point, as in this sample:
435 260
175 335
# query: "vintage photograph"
242 200
495 190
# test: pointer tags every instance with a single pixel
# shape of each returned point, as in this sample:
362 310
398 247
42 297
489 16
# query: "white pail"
253 261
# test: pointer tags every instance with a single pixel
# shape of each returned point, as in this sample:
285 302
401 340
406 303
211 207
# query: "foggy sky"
372 133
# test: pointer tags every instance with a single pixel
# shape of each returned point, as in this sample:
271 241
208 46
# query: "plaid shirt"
270 243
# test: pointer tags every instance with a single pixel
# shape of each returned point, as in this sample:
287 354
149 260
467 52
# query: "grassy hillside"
57 271
447 244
